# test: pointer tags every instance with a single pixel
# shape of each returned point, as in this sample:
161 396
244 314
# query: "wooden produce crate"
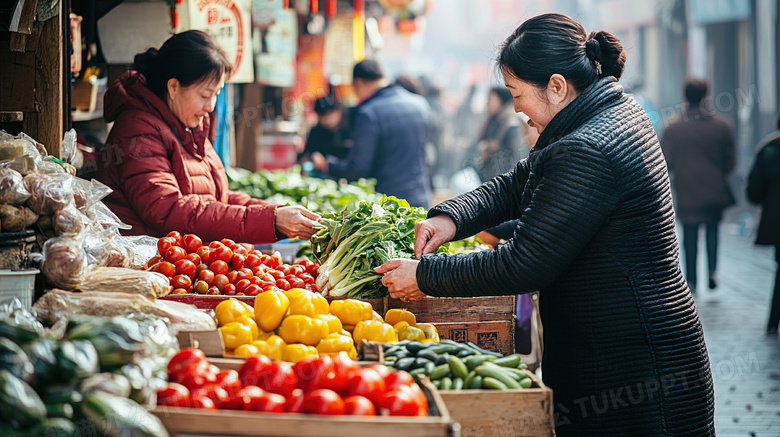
208 302
461 310
493 413
498 336
196 422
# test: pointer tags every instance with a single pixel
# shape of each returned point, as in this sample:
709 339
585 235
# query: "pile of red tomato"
225 267
324 384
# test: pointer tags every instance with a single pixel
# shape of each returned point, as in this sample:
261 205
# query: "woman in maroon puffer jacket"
160 163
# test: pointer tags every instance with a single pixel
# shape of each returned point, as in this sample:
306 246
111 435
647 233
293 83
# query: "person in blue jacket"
389 133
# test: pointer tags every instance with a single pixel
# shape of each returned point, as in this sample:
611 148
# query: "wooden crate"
494 413
195 422
461 310
207 302
496 336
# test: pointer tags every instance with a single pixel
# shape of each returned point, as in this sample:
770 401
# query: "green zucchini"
459 370
508 361
493 384
440 371
497 372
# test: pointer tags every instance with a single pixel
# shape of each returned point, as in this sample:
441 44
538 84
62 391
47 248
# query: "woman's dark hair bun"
146 62
609 53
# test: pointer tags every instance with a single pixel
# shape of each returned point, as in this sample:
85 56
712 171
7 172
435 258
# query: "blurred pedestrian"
500 144
624 350
764 188
699 151
330 136
389 132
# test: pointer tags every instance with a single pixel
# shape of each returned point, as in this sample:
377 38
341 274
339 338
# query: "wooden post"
45 123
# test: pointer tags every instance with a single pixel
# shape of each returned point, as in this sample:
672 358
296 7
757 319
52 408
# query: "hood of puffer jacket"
129 93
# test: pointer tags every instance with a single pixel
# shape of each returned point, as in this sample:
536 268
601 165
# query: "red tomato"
418 395
153 260
222 253
237 262
397 378
214 392
366 382
323 401
304 262
206 276
227 242
252 261
242 398
220 281
165 268
176 237
228 379
294 402
191 242
314 270
399 402
177 291
230 290
186 267
234 276
253 290
343 367
175 253
214 291
242 284
314 372
296 282
297 270
195 380
238 248
255 280
276 274
193 258
268 402
278 377
307 278
219 267
358 406
251 368
381 369
284 268
204 252
246 273
270 261
174 395
181 281
203 403
201 287
163 244
186 361
283 284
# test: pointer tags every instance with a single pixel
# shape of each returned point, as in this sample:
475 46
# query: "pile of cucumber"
458 366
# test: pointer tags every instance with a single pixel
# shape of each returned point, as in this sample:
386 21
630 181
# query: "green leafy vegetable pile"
353 242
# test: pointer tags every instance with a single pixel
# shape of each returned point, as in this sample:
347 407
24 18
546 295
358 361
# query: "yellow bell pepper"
375 316
229 310
396 315
371 330
270 308
334 324
303 329
349 328
246 350
296 352
249 321
235 334
345 333
274 343
351 311
262 347
430 331
411 333
400 325
335 343
306 303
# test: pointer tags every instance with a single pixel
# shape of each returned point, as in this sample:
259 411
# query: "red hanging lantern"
314 6
285 4
359 6
330 8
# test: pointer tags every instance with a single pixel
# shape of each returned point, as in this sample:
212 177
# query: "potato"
44 221
29 216
12 218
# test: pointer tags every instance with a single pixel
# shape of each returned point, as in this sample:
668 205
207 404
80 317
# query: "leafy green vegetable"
468 245
353 242
289 187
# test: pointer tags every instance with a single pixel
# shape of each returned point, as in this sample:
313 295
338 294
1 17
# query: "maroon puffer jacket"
166 177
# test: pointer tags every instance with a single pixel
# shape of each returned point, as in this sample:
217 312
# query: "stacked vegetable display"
353 242
225 268
289 187
325 384
459 366
90 382
293 324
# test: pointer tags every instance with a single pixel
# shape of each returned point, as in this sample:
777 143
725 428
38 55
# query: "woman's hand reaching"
432 233
295 221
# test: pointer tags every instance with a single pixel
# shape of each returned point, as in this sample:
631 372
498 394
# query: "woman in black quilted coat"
623 346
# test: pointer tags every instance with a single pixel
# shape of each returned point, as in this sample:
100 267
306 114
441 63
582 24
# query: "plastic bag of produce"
16 218
140 247
49 192
65 262
14 146
12 191
68 221
116 279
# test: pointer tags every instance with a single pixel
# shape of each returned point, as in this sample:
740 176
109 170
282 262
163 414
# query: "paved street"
745 362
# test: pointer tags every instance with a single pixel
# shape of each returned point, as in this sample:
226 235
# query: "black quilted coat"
623 346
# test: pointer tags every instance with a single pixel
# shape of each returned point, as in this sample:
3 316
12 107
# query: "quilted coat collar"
129 92
602 94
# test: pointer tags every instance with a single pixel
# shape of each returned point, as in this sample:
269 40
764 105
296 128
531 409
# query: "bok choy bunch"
352 242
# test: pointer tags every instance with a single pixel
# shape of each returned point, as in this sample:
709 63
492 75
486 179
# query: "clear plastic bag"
65 262
142 248
96 244
12 191
68 221
48 192
116 279
68 146
119 255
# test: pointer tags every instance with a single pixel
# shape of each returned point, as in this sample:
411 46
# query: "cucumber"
405 363
466 353
442 348
450 342
475 383
429 366
416 372
459 370
57 426
522 366
437 383
457 384
446 383
469 377
19 403
442 359
493 384
392 350
420 362
526 383
484 351
517 374
415 346
440 372
59 410
428 354
475 360
508 361
497 372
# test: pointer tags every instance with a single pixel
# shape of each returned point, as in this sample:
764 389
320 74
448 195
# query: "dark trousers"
691 246
774 310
